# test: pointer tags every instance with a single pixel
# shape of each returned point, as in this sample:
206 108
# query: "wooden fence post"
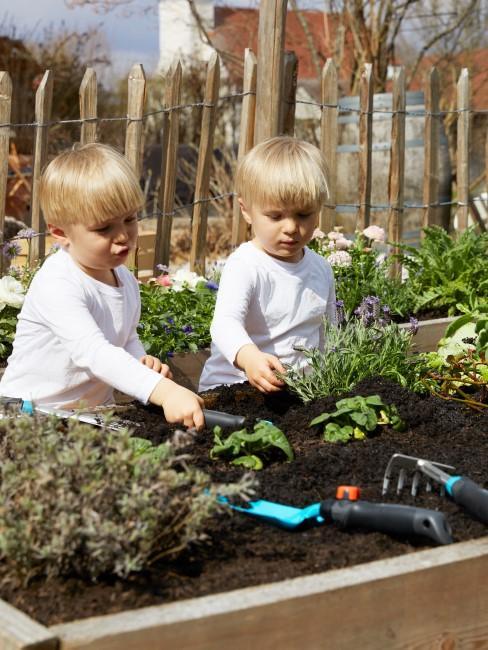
167 187
88 106
44 95
431 151
205 153
463 133
365 144
5 113
289 101
396 177
135 111
271 38
136 90
328 141
246 138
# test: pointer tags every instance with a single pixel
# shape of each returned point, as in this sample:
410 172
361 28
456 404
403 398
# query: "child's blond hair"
89 184
282 171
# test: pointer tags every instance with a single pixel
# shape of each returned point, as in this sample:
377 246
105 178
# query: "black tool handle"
471 497
224 420
388 518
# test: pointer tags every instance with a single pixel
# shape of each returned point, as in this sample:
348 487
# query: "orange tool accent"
349 492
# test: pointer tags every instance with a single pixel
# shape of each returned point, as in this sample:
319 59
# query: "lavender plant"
84 500
366 345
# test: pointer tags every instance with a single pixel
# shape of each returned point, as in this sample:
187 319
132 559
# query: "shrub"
176 317
80 500
366 346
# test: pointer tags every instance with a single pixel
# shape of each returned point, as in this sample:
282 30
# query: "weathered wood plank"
5 112
462 154
328 141
136 93
169 153
246 138
365 144
396 177
88 106
205 153
431 150
421 600
289 102
19 632
271 39
44 97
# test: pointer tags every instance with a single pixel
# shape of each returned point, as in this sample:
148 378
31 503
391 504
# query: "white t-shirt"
76 339
275 305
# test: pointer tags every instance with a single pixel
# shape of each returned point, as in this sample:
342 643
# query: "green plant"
445 272
176 320
244 447
81 500
357 349
357 416
360 269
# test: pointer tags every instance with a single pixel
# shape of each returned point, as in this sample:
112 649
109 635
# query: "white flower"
11 292
318 234
375 233
341 258
183 279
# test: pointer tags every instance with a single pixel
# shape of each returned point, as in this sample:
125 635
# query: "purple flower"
414 325
340 314
11 249
187 329
26 233
212 285
55 247
170 354
163 268
171 320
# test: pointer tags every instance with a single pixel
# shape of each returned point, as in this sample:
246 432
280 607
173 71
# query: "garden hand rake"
462 491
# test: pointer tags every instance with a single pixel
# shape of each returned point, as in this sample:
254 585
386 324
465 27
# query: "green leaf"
249 462
334 433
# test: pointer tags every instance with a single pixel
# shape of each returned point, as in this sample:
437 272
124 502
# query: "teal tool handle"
470 496
387 518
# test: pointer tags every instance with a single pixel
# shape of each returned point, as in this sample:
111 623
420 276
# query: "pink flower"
375 233
343 244
318 234
164 280
333 235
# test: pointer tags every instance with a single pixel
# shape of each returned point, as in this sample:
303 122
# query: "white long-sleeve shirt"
76 339
275 305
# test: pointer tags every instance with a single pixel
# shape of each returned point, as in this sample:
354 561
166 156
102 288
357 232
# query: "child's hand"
179 404
156 365
259 368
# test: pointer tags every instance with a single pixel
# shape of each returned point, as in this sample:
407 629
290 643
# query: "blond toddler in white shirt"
76 337
274 292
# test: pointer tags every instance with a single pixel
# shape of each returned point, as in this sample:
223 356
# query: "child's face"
280 231
100 248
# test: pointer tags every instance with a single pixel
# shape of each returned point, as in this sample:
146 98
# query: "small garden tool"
349 512
462 491
212 418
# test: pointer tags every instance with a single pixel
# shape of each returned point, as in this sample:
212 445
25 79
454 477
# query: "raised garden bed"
348 589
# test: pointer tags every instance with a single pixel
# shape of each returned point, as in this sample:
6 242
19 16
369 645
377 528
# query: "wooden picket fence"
268 108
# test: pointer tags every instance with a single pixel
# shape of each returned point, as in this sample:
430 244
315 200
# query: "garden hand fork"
462 491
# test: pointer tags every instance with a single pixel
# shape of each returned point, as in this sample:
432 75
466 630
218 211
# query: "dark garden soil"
240 551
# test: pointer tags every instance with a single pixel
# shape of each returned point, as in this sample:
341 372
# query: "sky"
131 39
